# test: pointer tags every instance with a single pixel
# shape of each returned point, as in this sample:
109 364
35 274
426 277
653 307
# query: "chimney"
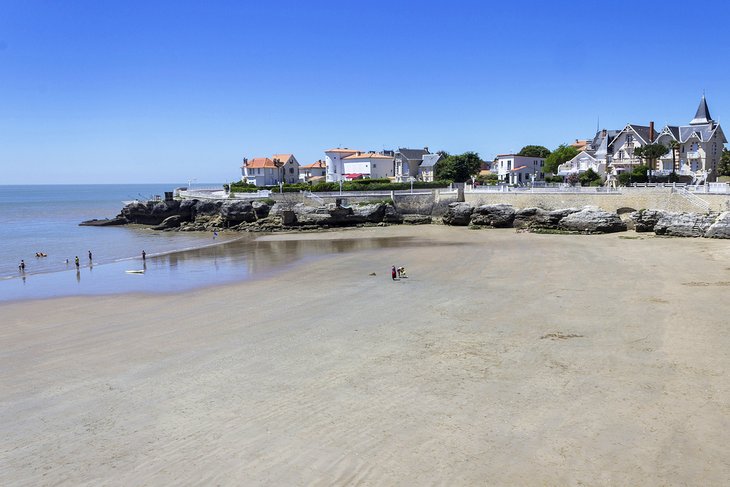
426 149
603 133
651 132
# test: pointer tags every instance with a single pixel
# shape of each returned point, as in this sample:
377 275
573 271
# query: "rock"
261 208
391 215
646 220
684 224
151 212
417 219
497 216
458 214
173 221
288 218
721 227
592 220
104 223
539 219
371 212
235 212
206 208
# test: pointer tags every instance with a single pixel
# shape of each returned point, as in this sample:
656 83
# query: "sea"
45 219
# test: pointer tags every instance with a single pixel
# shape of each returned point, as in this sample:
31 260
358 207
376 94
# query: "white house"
426 171
260 171
622 149
289 170
519 170
371 165
583 161
315 171
335 163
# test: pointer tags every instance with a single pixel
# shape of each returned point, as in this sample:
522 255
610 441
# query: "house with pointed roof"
622 148
259 171
316 171
427 168
695 148
407 162
289 167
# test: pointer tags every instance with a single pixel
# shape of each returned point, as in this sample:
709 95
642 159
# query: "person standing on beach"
89 254
393 272
76 261
21 267
144 255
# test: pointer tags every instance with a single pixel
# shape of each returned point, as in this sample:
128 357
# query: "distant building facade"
519 170
313 172
348 164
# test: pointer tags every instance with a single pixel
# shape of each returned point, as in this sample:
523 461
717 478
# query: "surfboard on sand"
138 271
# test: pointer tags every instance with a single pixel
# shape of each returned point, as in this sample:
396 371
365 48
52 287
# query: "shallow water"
237 260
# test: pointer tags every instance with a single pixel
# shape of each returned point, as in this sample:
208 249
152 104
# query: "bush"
553 179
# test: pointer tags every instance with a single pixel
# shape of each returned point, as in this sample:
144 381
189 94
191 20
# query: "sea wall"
633 198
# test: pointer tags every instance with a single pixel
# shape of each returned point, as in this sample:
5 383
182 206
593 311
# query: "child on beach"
393 272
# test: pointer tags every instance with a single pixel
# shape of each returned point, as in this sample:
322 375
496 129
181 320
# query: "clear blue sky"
103 92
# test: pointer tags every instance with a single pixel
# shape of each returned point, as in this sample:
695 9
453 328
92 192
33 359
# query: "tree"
562 154
458 168
724 168
534 151
636 175
650 153
590 178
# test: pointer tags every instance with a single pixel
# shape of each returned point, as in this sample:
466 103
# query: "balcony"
694 155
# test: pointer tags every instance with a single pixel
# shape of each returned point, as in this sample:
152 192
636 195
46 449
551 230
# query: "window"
291 170
374 165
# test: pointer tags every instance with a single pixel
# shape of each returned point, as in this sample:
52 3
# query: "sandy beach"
503 359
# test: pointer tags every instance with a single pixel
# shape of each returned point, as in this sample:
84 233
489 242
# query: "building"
371 165
289 171
427 168
519 170
347 164
260 171
694 149
582 162
407 163
317 171
622 149
335 163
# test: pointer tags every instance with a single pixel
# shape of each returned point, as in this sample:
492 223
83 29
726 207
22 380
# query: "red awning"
353 176
518 168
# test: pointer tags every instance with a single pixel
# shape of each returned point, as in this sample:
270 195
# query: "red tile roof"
316 165
257 162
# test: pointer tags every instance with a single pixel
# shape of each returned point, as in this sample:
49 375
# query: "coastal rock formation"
458 214
497 216
684 224
721 227
417 219
539 219
235 212
104 223
173 221
592 220
646 220
154 212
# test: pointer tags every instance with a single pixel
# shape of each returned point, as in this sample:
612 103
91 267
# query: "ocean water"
45 219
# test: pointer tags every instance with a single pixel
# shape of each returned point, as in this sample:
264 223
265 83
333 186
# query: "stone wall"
634 198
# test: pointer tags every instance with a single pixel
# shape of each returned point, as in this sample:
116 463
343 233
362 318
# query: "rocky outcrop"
684 224
646 220
539 219
173 221
721 227
154 212
417 219
235 212
458 214
496 216
104 223
592 220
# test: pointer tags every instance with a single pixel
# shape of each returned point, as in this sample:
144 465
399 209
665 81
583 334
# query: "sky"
157 91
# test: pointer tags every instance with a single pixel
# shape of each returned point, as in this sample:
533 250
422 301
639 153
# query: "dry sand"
504 359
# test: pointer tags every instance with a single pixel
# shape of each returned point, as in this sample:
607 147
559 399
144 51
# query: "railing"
694 199
693 155
542 189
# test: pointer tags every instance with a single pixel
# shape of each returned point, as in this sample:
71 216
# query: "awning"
353 176
518 168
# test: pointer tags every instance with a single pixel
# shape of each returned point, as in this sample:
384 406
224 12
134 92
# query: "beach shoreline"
512 358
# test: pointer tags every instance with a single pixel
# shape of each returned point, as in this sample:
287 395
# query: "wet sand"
503 359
